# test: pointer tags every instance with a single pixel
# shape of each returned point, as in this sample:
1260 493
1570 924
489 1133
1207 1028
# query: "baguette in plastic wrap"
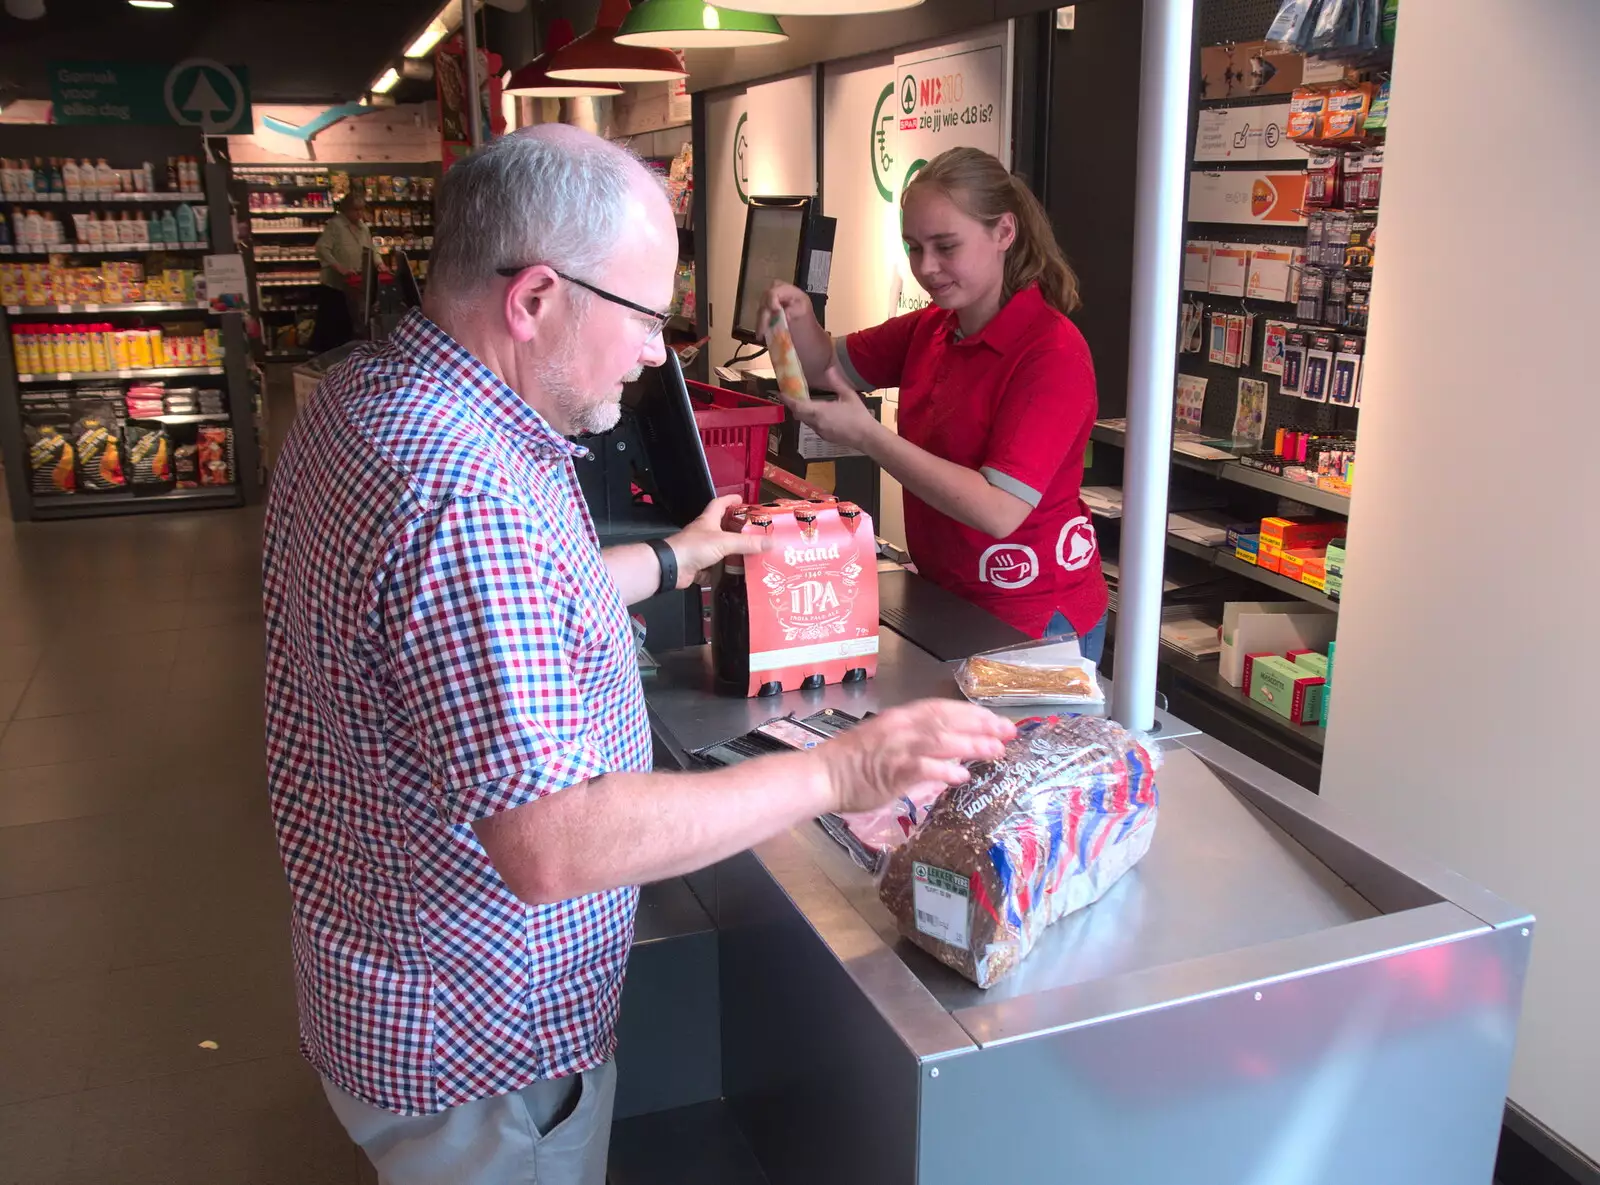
1044 831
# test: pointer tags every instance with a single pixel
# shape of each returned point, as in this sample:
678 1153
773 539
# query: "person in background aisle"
997 398
458 754
340 249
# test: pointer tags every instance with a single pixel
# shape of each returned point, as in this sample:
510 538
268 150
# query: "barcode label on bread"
941 899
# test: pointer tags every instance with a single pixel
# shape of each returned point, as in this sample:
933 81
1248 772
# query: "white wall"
1462 703
772 153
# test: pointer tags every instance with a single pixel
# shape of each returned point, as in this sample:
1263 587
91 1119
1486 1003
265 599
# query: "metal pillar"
469 36
1157 259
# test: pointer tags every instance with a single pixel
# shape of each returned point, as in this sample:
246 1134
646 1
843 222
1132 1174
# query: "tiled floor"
142 907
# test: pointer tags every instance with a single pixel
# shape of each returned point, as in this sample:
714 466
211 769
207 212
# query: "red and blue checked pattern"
443 642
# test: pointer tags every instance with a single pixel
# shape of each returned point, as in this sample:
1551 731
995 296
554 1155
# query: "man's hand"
845 420
909 750
709 540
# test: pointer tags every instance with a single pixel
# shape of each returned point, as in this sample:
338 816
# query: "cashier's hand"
917 748
843 420
796 305
710 539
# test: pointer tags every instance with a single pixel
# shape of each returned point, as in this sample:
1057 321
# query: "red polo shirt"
1014 401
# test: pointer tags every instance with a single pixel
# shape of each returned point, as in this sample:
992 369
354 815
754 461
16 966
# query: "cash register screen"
774 237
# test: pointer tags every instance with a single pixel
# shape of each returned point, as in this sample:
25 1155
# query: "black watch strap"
668 559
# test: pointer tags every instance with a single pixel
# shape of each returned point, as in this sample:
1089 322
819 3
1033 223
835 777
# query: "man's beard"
583 412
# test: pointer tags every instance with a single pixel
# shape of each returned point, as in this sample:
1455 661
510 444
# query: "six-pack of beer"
804 612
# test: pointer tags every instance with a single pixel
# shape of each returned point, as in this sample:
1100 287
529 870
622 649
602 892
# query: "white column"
1164 97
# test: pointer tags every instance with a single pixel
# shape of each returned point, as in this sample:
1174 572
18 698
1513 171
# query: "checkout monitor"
775 235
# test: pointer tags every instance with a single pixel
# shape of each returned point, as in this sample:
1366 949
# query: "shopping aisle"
142 907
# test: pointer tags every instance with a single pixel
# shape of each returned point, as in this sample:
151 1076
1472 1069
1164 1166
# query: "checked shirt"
443 643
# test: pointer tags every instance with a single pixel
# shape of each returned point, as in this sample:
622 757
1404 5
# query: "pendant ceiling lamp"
819 7
596 56
694 24
534 78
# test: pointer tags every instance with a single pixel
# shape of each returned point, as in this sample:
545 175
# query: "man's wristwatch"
668 559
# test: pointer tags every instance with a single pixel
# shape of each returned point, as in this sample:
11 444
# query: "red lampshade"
534 78
596 56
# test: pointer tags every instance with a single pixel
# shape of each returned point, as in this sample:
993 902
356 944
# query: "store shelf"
1241 474
293 308
286 259
286 230
153 372
147 306
95 249
275 211
1200 551
1283 584
1300 491
287 356
399 201
59 506
287 283
1207 674
197 418
59 199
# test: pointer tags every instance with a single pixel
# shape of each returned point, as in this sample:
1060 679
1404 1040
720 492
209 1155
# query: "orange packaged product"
1306 111
810 600
785 361
1346 112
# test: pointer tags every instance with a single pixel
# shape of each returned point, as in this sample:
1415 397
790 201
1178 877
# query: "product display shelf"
230 374
60 506
1294 588
286 230
146 372
276 211
146 306
287 283
1223 558
100 249
61 199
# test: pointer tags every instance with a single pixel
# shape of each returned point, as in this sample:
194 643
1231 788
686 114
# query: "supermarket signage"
1248 134
1248 197
196 92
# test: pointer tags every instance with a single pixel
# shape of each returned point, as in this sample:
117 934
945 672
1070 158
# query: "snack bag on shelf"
149 455
51 459
215 457
98 446
1044 831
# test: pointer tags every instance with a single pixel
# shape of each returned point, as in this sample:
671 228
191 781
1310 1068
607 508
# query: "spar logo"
1076 545
882 157
741 159
908 95
1009 566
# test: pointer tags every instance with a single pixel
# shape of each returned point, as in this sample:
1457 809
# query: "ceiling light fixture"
386 81
694 24
819 7
534 78
150 3
436 32
596 56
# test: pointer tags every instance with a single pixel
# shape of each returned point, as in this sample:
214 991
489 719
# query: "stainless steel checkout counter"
1272 997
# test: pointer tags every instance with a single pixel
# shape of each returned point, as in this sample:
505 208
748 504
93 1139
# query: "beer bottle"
730 629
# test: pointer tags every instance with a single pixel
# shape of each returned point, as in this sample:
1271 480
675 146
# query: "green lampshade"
693 24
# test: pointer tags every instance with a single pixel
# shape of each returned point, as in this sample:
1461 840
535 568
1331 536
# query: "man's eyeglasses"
658 321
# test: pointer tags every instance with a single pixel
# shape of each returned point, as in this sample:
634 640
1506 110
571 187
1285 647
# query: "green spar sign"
196 93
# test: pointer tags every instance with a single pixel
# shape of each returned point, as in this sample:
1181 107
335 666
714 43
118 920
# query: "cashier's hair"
983 188
549 194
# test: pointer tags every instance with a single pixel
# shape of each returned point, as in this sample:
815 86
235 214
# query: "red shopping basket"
733 429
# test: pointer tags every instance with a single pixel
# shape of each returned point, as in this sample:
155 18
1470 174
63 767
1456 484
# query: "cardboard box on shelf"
1294 534
1248 68
1315 573
1315 663
1292 564
1247 548
1274 627
1290 691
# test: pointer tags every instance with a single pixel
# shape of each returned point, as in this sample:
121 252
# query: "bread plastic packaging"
1044 831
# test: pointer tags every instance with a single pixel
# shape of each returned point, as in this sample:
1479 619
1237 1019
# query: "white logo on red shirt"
1076 546
1009 566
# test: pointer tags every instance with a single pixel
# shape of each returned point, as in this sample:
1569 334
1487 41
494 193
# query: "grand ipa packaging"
809 602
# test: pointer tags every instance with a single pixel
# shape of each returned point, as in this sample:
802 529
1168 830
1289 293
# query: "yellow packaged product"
98 358
213 346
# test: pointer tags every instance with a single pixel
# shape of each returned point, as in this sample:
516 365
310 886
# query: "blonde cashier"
997 397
